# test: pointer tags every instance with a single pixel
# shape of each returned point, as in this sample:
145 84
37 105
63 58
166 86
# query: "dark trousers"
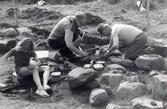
135 49
59 44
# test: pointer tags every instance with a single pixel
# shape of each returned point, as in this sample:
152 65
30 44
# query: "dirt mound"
93 19
39 15
39 31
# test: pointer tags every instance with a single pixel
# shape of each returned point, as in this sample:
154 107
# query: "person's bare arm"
37 60
114 40
70 44
8 54
52 32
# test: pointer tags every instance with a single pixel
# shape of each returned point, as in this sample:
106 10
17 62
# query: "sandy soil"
64 98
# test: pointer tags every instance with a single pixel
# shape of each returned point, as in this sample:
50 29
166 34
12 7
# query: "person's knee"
33 67
47 69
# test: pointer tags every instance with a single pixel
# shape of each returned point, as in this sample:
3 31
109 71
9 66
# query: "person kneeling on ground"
67 37
132 39
27 63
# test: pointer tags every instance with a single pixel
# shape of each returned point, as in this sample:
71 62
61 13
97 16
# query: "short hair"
80 16
25 42
100 28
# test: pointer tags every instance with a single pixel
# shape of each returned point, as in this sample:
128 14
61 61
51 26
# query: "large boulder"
128 90
93 85
150 62
9 32
115 68
146 103
110 81
137 78
39 14
98 97
80 77
159 45
158 86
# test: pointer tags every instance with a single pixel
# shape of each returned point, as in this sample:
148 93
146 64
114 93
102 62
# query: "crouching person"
66 36
132 39
27 63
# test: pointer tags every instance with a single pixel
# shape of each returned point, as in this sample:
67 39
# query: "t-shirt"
21 58
61 26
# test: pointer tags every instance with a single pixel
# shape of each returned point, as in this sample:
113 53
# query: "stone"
112 106
9 32
121 61
146 103
153 73
150 62
80 77
92 85
159 45
116 106
138 78
7 44
116 53
26 35
116 68
111 81
98 97
157 84
39 31
6 25
23 30
128 90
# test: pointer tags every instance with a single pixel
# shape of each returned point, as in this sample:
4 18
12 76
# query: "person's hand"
39 63
78 41
107 53
34 63
81 32
84 54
